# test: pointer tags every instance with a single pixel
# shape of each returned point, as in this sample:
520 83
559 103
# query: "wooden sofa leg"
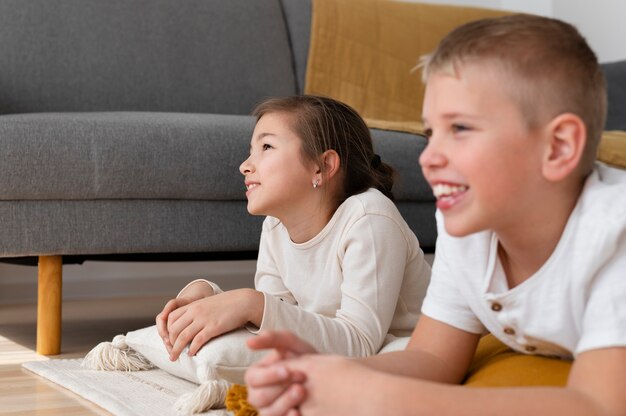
49 305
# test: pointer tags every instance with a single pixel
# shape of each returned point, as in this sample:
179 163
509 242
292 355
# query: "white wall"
600 21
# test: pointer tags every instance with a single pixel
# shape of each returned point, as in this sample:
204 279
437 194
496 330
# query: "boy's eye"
458 128
428 132
267 146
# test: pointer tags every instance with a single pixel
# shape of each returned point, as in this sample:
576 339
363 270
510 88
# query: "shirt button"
496 307
509 331
530 348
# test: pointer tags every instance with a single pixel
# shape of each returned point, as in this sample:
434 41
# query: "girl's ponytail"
383 175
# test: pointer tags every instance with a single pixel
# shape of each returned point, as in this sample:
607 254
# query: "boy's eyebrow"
454 115
465 115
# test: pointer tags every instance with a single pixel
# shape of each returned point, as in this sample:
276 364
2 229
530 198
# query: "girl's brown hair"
323 124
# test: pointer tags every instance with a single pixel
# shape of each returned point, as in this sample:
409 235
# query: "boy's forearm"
399 396
411 363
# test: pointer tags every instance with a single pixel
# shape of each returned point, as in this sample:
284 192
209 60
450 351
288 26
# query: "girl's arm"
373 256
196 323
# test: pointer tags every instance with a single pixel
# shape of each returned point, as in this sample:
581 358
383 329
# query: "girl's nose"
245 167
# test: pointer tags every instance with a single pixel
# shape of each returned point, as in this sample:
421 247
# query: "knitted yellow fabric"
362 52
236 401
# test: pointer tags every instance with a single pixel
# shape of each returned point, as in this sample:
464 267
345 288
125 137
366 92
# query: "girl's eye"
428 132
267 146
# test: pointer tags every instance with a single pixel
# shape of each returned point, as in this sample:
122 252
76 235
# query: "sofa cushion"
143 55
89 156
114 226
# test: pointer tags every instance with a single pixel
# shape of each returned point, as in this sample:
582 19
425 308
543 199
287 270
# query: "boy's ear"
565 146
330 164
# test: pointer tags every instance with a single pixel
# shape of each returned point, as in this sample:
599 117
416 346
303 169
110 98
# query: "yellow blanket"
363 52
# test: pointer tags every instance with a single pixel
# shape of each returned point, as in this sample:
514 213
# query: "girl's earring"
316 183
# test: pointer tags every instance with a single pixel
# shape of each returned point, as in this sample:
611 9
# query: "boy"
532 241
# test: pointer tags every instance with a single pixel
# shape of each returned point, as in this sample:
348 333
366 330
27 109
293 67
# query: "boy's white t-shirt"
361 278
574 303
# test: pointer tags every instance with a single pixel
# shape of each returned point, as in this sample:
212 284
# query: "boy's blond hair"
547 67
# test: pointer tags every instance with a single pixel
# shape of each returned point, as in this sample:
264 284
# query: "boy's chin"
459 228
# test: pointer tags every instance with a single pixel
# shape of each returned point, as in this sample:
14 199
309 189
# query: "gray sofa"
123 123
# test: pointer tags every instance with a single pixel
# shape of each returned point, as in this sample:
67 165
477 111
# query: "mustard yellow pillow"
496 365
612 149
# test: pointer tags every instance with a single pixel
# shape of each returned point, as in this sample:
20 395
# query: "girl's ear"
567 136
330 164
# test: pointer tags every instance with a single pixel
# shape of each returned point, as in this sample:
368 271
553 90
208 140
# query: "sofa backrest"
204 56
298 15
615 73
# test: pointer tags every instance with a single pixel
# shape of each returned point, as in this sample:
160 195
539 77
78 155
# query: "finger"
286 403
271 357
296 376
264 397
177 321
262 376
198 341
183 338
161 318
280 340
174 315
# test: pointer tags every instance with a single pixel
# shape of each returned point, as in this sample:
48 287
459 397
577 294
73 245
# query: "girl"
337 263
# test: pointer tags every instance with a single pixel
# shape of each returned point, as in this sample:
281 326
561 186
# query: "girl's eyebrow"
262 135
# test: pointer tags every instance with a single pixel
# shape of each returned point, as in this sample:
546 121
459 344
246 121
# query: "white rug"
138 393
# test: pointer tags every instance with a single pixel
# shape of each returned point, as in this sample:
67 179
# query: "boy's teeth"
252 185
442 190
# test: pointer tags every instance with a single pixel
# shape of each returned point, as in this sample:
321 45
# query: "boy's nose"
431 157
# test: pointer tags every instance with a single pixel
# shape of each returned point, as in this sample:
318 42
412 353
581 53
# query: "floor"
85 324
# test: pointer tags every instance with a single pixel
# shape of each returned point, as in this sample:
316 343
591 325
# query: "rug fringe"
115 356
210 394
